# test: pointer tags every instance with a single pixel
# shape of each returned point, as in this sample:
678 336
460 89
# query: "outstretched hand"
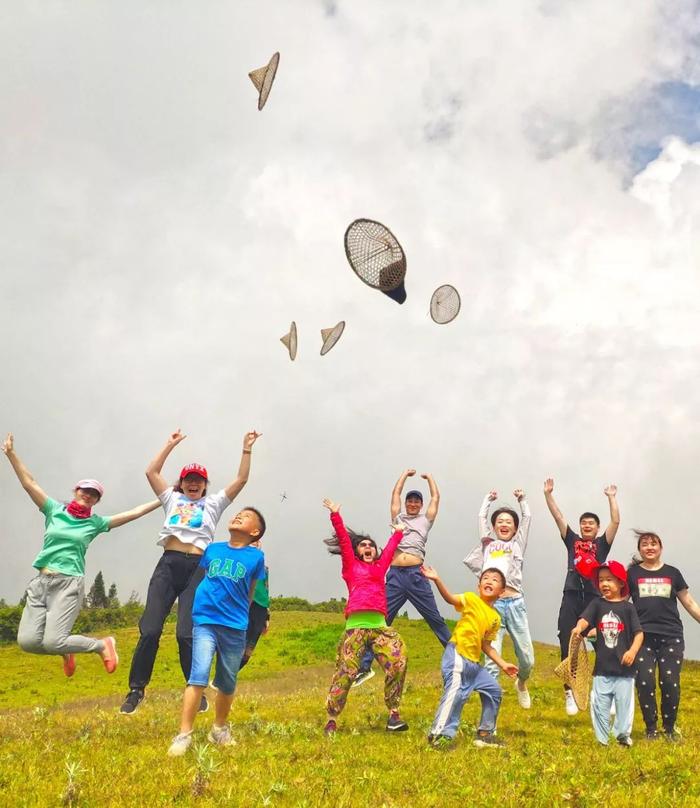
249 439
8 445
610 490
429 572
510 669
397 525
409 472
518 494
548 485
492 495
333 507
175 438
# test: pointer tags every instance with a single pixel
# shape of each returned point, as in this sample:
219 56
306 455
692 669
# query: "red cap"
194 468
618 570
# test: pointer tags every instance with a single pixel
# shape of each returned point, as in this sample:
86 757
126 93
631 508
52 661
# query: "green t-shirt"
66 539
261 593
365 620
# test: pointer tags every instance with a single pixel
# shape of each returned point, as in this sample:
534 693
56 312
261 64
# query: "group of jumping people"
223 603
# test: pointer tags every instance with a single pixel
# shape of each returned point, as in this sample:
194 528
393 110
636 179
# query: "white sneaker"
181 743
221 736
571 706
363 677
524 699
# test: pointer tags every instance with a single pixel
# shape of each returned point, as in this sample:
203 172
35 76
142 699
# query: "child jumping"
461 672
364 572
220 620
507 552
618 640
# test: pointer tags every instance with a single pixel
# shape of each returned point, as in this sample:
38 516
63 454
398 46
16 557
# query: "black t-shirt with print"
655 593
574 544
616 623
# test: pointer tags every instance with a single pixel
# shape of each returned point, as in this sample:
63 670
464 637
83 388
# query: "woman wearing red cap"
55 596
191 517
656 588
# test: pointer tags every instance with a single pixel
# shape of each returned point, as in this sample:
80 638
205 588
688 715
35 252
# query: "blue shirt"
222 599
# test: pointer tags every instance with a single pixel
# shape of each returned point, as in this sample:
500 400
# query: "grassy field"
62 742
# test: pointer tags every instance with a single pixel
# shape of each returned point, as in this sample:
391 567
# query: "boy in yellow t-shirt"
461 672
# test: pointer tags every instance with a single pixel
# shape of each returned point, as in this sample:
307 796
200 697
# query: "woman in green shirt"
55 596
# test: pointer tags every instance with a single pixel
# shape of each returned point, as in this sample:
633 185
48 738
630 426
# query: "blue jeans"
462 677
514 621
409 584
228 644
606 690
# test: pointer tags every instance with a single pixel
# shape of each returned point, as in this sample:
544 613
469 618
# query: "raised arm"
484 526
432 575
525 517
346 551
396 493
387 555
30 485
153 473
434 503
562 524
234 488
120 519
689 604
611 530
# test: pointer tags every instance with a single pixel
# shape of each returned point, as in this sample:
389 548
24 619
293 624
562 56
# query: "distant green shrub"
291 604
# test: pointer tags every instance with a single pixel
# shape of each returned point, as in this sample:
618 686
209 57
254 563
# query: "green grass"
63 742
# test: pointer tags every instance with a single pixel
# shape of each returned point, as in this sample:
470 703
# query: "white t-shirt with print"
192 521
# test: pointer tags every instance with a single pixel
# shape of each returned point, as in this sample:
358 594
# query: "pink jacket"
366 584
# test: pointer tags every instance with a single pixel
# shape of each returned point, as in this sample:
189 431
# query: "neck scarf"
79 511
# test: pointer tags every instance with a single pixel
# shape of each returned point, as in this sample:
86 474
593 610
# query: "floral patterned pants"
389 650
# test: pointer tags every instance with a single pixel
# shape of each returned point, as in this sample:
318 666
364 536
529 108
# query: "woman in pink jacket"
364 572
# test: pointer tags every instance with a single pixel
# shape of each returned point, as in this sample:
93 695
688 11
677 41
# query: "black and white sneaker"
131 702
624 740
652 734
362 677
203 705
395 724
488 740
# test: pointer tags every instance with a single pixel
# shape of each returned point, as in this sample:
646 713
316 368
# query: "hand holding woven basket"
575 671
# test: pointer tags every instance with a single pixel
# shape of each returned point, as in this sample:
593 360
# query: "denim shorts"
228 644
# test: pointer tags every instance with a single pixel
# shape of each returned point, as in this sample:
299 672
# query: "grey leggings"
53 604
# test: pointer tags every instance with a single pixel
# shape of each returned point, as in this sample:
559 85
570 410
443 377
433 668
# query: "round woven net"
575 671
445 304
375 255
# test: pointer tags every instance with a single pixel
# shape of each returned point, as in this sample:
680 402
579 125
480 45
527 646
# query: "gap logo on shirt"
220 568
188 514
654 587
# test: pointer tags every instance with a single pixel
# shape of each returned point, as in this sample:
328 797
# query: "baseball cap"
94 484
193 468
414 494
618 570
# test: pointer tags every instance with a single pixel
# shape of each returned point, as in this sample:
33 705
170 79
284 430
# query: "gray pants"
53 604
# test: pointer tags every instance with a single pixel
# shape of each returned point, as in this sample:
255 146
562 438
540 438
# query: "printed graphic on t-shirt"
188 514
500 549
585 547
654 587
224 568
610 627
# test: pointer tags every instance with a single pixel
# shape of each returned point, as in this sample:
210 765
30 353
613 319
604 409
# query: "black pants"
666 654
573 602
175 577
257 617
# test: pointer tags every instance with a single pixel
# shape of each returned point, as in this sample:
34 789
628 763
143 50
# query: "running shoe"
571 706
395 724
488 740
221 736
69 664
652 734
441 743
132 701
362 677
110 658
624 740
331 728
673 735
181 743
524 699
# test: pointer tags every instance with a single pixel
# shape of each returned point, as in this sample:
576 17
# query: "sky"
158 234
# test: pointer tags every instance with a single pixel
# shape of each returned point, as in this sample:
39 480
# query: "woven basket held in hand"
575 671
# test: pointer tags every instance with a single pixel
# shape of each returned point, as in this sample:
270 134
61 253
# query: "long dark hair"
333 542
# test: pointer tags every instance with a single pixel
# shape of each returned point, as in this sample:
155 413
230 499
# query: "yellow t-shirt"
478 622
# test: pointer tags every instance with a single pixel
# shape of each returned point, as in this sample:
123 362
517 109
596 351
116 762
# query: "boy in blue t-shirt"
220 621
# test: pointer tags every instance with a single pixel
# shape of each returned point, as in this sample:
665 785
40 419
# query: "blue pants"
514 621
607 689
228 644
409 584
462 677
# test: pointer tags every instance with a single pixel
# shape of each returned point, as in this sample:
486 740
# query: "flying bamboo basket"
330 336
376 257
289 340
263 77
